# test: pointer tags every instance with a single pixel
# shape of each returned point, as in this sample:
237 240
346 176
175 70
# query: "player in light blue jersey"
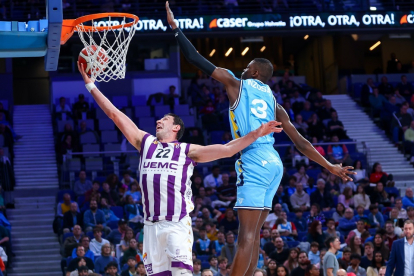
259 168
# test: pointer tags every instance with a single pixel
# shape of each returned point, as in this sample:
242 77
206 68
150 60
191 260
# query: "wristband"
90 86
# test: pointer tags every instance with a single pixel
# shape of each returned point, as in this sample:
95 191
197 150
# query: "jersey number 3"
259 109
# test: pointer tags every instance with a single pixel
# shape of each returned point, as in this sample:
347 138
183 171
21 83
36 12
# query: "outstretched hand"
170 16
342 172
85 76
269 127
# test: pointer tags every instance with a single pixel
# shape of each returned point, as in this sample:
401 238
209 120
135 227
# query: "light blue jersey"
259 169
254 106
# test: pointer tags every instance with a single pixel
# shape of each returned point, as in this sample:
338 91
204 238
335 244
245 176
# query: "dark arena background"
343 71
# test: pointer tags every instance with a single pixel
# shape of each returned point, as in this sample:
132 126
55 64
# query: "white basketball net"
114 67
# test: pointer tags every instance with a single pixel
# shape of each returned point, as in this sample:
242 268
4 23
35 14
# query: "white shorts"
168 245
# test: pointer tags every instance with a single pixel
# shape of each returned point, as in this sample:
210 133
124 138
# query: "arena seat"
88 138
61 125
1 140
112 224
142 111
93 164
215 136
138 100
182 110
161 110
91 148
188 121
66 235
109 136
118 211
292 244
112 147
146 122
106 124
120 101
74 164
80 200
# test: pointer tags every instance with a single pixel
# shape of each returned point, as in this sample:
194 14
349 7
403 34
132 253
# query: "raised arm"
204 154
133 134
305 147
190 53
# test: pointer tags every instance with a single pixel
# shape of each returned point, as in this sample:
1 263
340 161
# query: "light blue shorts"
259 172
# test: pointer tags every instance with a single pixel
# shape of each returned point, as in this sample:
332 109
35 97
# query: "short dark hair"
329 219
197 261
177 121
408 221
329 240
355 256
369 244
347 249
303 252
373 207
265 68
83 268
221 259
211 257
111 264
314 244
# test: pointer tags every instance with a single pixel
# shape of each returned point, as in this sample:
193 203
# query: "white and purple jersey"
165 171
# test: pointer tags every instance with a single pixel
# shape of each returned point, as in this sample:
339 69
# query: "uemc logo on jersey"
160 165
255 85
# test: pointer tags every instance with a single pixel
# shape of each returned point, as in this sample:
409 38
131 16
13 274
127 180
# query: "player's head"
170 125
259 68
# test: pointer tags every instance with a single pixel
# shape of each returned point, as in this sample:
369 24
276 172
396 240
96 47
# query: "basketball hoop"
113 38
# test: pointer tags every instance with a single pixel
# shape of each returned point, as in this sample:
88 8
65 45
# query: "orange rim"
69 25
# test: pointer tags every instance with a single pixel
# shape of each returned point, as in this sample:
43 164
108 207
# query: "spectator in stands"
402 213
80 263
338 153
72 218
300 200
289 110
97 243
81 271
64 206
377 101
409 140
330 264
207 272
361 199
300 124
131 270
307 113
222 265
300 222
213 180
127 179
303 263
71 242
80 107
281 198
230 222
265 237
212 261
134 192
292 186
392 64
381 197
390 235
358 232
408 199
301 176
366 91
82 185
400 123
93 192
156 99
410 212
80 254
131 252
385 88
315 214
217 245
354 265
280 254
405 88
316 234
4 122
379 245
112 269
272 217
202 193
375 218
85 243
203 243
399 99
105 258
94 217
172 97
286 228
109 214
314 254
331 229
129 234
111 196
229 249
368 257
355 243
269 247
346 198
319 148
197 267
335 127
376 264
321 196
63 108
346 258
339 212
292 261
377 175
347 223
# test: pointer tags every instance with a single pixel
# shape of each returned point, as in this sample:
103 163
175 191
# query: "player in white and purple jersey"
165 170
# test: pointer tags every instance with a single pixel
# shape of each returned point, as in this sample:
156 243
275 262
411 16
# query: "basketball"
89 57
